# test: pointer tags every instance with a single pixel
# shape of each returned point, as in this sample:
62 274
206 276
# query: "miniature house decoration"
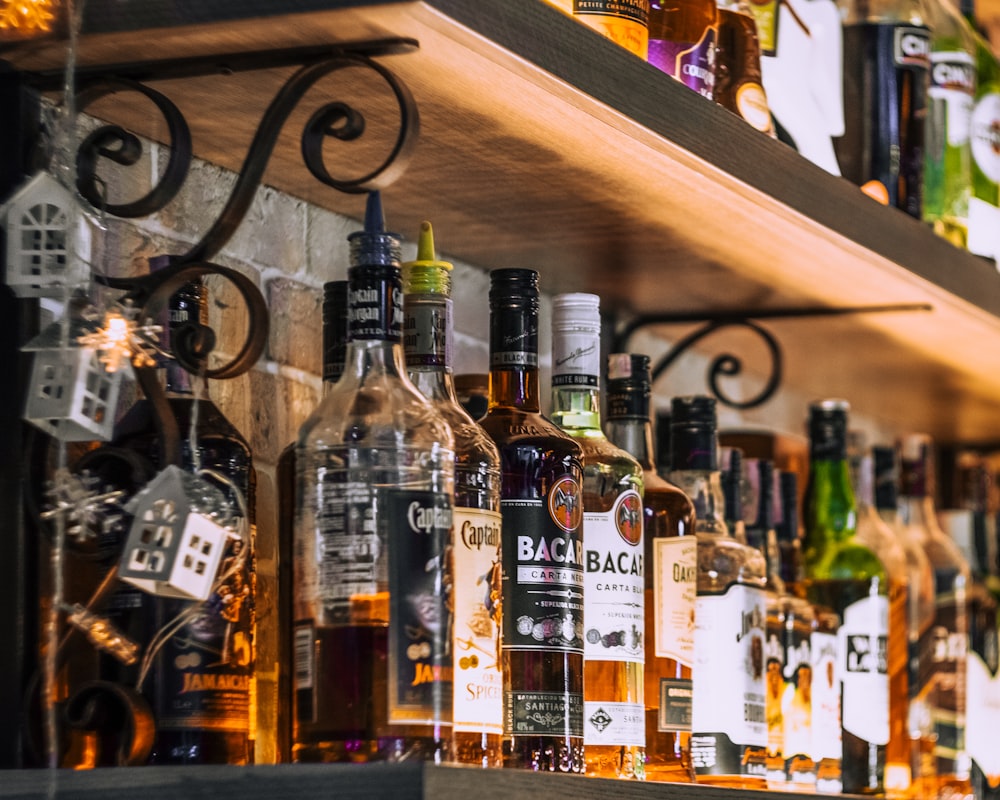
176 543
70 393
48 239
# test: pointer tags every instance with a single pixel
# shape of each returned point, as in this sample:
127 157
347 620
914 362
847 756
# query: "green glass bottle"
847 575
948 150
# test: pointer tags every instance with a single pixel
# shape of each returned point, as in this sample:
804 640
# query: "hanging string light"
122 339
27 18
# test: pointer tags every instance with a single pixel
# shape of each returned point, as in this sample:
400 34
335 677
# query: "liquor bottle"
886 46
873 531
790 624
334 351
614 649
729 728
984 205
670 553
739 84
946 693
682 39
626 24
375 478
950 99
850 576
475 549
919 619
541 504
733 485
199 684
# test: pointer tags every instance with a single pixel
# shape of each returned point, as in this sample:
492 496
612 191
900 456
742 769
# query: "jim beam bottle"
375 463
729 725
670 583
541 507
475 550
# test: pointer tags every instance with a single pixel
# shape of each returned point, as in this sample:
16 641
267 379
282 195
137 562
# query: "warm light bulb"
27 17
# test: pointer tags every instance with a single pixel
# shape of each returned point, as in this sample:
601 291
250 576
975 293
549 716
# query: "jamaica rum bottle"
614 647
376 465
729 727
475 550
199 682
670 563
541 506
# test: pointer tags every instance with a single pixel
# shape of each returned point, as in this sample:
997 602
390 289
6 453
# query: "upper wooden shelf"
544 145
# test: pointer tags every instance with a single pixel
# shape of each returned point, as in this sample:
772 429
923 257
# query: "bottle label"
543 571
752 103
478 680
985 137
689 62
826 739
634 10
729 720
862 643
420 621
796 705
676 696
375 308
513 339
614 583
765 14
774 681
911 46
427 339
949 655
674 588
953 84
557 714
983 687
614 724
576 359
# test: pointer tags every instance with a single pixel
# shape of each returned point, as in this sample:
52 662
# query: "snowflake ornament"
82 504
102 633
121 339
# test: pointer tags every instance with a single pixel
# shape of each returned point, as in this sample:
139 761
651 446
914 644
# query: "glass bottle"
614 605
475 549
334 352
215 647
729 727
739 84
626 24
682 40
873 531
375 477
886 59
950 99
919 619
946 689
541 479
670 557
846 574
733 485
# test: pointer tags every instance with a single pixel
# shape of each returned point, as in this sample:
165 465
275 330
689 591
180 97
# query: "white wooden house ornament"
48 239
71 395
176 543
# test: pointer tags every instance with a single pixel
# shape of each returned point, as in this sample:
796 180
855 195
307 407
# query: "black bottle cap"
732 484
513 284
628 388
786 525
693 444
828 430
335 329
886 476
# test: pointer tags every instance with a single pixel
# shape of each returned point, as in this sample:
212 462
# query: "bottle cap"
426 274
576 311
373 246
513 286
828 429
693 410
786 524
628 386
916 468
886 476
693 444
335 329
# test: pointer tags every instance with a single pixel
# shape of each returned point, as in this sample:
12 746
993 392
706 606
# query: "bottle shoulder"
514 427
724 561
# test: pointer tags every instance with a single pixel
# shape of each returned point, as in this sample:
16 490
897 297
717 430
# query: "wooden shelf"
345 782
545 145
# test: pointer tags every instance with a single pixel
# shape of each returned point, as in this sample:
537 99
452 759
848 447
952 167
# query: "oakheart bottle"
542 510
376 465
614 650
729 728
475 550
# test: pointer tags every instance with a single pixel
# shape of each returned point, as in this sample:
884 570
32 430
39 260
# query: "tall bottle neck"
427 334
375 315
514 379
634 436
704 489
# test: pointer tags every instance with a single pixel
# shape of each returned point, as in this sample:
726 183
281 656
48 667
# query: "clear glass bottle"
670 553
475 549
334 351
946 689
729 726
919 619
614 606
541 479
682 40
886 59
950 100
376 467
847 575
215 648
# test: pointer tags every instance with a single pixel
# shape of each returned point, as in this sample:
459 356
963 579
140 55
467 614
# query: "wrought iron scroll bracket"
727 364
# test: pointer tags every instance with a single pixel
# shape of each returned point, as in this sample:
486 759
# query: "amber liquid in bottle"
739 85
682 41
669 542
542 509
